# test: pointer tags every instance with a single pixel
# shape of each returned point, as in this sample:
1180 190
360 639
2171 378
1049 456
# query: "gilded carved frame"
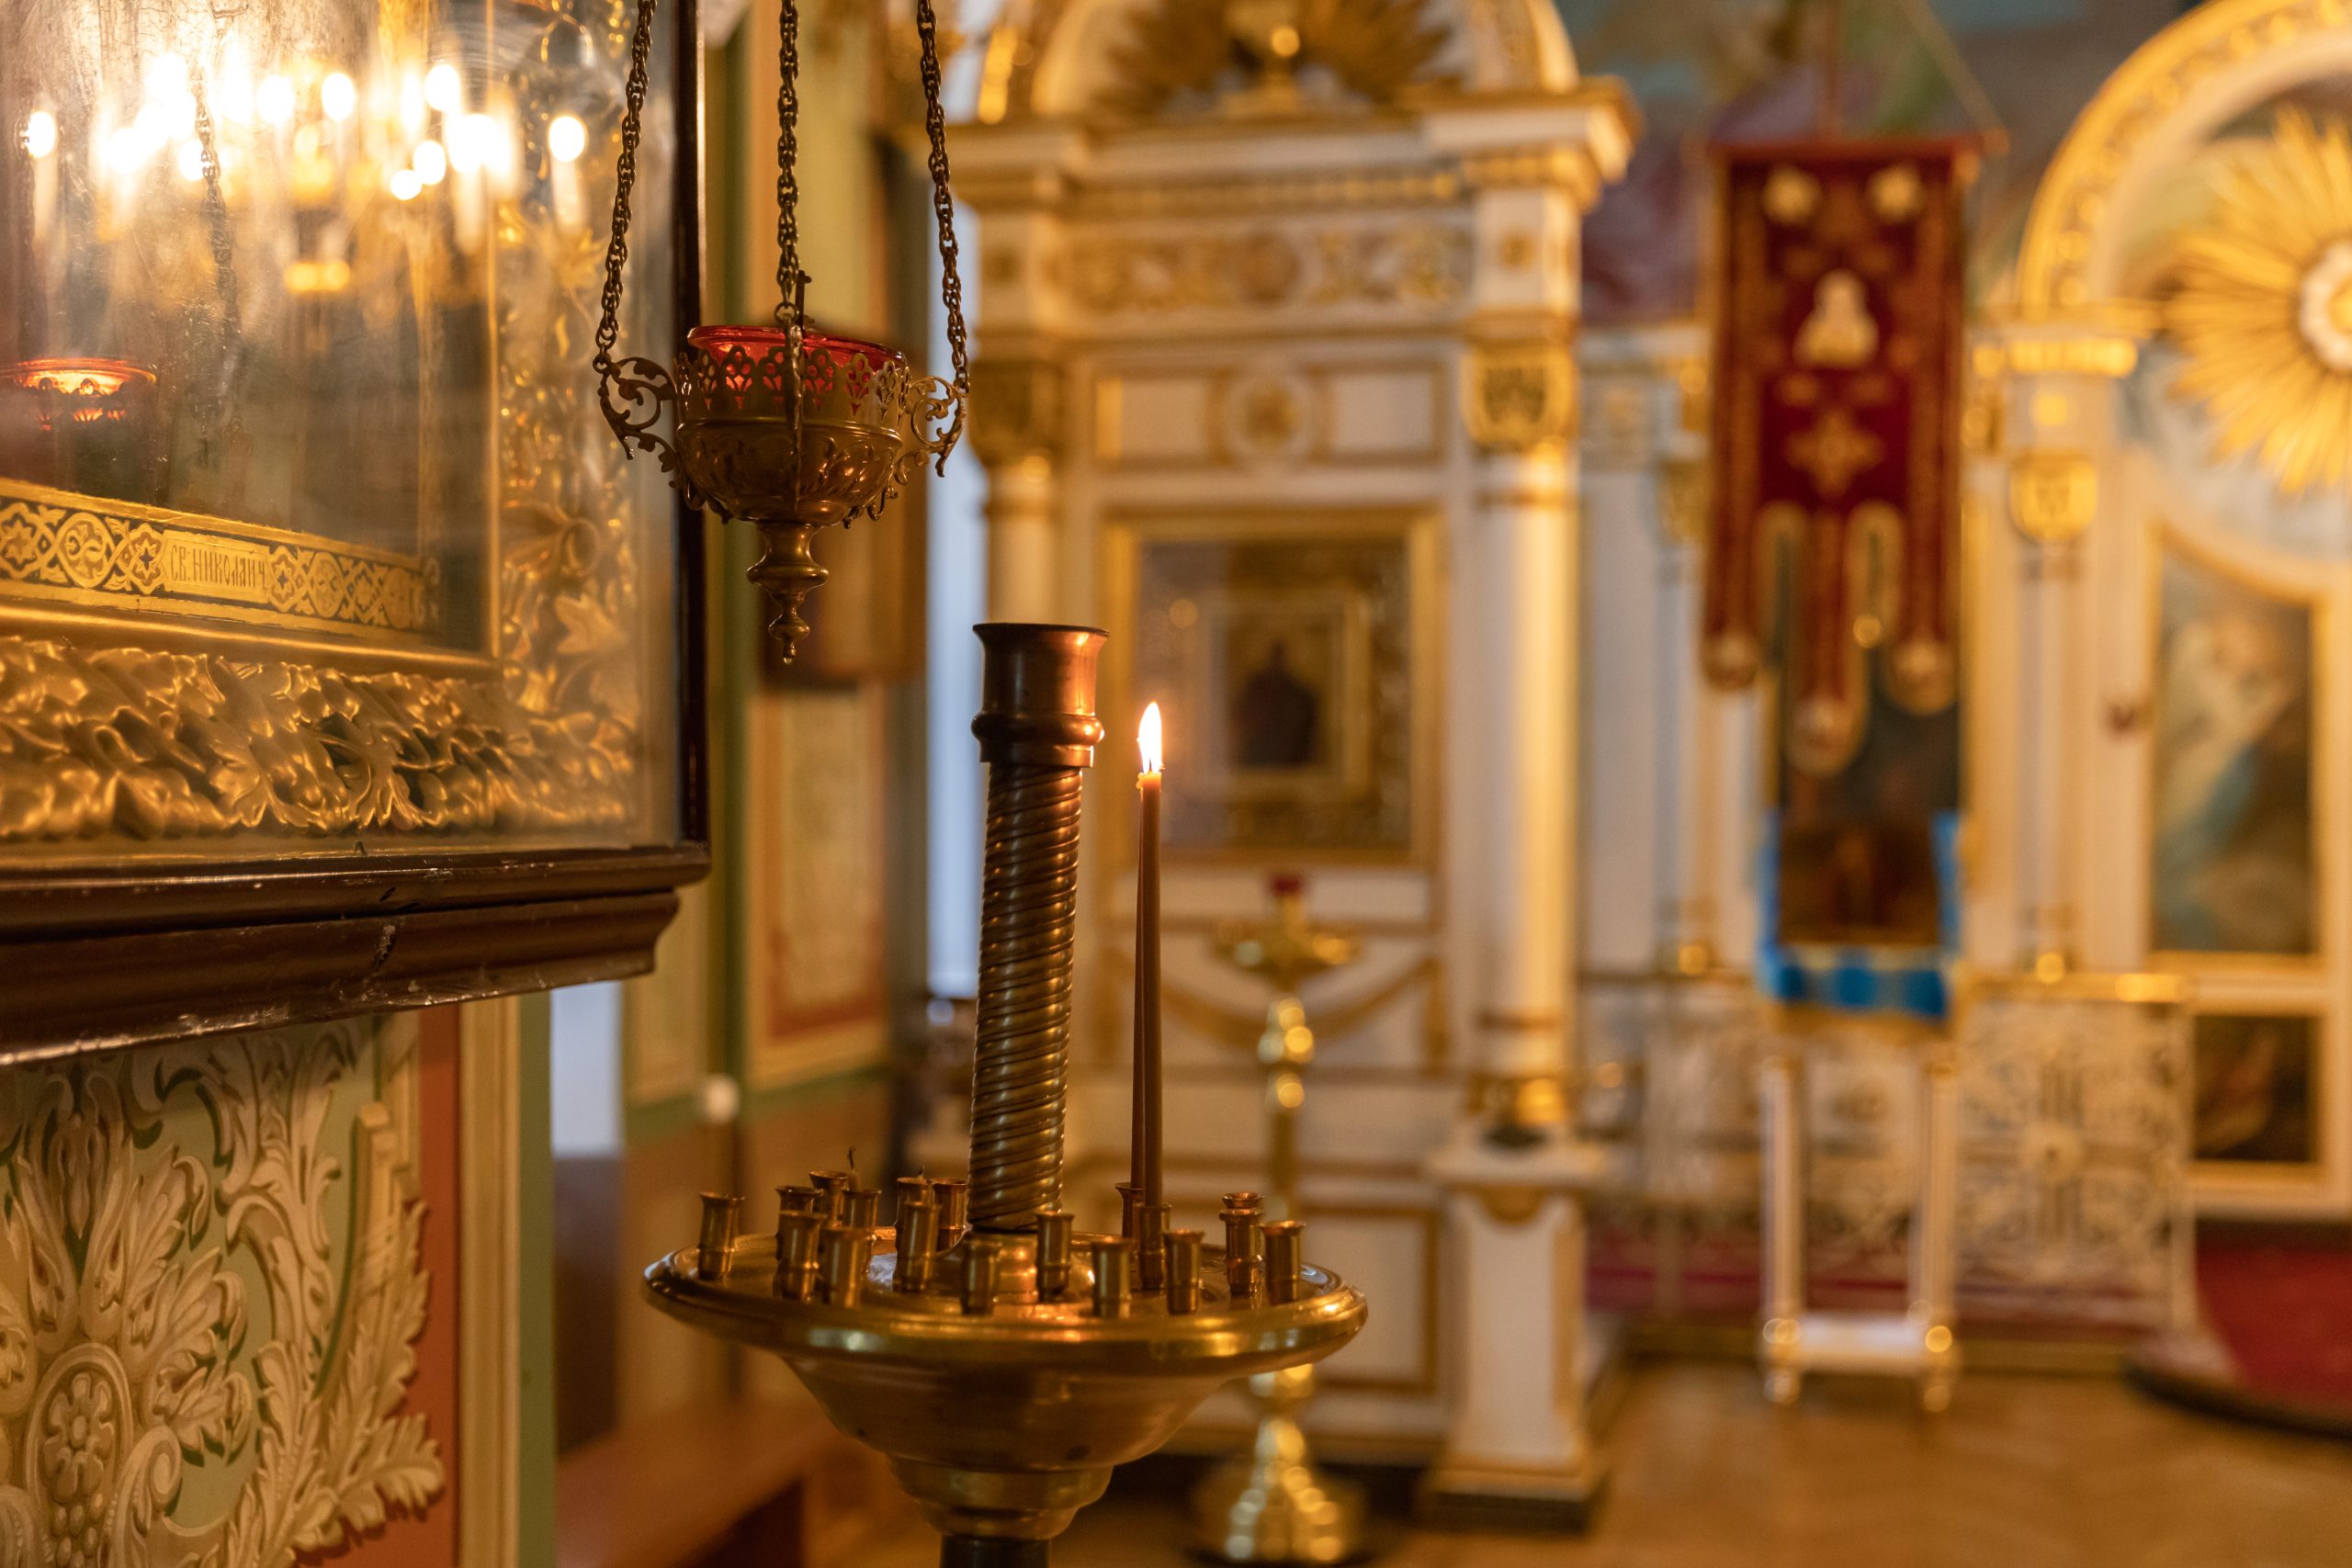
229 740
1414 532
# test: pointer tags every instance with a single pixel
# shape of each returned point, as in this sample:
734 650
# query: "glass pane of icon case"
311 533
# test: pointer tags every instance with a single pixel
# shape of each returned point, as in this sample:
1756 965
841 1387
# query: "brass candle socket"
1285 1248
845 1254
1151 1247
722 1217
1244 1244
1113 1275
982 1265
1180 1272
954 1198
916 1244
796 1254
1054 1232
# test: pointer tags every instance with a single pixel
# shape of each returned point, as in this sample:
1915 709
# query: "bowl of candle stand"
791 458
1003 1423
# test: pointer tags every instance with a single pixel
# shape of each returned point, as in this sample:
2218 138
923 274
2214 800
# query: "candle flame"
1148 739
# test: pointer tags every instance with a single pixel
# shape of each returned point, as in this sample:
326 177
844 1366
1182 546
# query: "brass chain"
608 326
943 202
791 283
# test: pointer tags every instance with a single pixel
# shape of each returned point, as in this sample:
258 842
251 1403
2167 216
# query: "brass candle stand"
1006 1366
1275 1506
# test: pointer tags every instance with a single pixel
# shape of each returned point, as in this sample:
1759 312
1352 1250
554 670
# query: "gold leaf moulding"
156 745
55 545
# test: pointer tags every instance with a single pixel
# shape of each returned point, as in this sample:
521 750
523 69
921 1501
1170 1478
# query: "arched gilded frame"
2147 468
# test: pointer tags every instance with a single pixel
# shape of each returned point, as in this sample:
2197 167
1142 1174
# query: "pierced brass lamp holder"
787 428
1005 1367
1275 1504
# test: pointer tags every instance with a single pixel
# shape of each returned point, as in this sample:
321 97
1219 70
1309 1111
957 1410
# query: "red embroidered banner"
1836 429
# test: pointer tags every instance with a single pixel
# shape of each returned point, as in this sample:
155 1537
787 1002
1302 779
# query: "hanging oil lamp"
787 428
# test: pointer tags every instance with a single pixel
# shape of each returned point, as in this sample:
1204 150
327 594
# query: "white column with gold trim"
2053 409
1514 1170
1019 178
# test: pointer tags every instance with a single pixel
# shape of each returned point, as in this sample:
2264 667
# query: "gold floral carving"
150 1412
1506 52
1422 264
1419 264
2052 494
158 745
1017 409
1517 396
1178 49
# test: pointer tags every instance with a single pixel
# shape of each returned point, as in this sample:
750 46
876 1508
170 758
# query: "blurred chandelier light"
789 428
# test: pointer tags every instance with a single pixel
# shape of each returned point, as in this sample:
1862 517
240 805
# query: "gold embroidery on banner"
1833 451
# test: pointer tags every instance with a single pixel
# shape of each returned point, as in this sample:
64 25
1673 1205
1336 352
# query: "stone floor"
2022 1472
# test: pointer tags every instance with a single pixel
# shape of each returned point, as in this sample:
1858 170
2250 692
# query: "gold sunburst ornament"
2262 305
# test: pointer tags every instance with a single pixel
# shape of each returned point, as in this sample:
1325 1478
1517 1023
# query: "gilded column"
1692 756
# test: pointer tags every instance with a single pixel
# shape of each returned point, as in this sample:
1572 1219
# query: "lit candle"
567 139
1144 1132
40 144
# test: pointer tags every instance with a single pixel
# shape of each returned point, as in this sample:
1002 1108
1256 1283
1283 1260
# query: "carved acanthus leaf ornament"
142 1195
1371 49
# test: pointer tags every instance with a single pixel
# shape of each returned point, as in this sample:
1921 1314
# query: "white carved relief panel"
2074 1136
2073 1125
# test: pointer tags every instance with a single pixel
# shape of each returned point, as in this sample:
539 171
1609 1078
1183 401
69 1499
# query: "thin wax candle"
1144 1131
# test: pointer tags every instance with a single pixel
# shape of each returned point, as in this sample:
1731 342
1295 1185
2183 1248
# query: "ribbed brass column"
1037 731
